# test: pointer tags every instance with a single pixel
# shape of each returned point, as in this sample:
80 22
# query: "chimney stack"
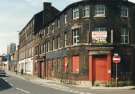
47 5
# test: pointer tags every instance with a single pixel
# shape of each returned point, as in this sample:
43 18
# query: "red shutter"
75 64
65 64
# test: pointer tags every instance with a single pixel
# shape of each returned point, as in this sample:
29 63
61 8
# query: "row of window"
57 65
100 11
101 33
26 53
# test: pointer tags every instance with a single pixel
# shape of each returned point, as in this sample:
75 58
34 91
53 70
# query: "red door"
100 68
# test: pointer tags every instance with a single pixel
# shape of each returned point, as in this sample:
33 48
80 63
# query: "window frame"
76 36
59 41
75 13
53 44
123 36
65 39
58 23
86 11
124 10
99 12
65 18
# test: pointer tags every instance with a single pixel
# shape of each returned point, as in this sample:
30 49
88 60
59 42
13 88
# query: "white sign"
98 37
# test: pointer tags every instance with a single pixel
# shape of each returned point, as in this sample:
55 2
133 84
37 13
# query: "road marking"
11 84
25 91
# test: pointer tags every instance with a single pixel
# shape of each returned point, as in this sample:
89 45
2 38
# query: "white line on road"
25 91
11 84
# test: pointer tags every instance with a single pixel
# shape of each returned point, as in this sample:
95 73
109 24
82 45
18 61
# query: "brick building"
79 42
26 38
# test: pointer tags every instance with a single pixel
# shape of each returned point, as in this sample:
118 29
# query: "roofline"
82 2
29 21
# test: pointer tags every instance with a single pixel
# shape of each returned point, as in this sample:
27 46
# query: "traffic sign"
116 58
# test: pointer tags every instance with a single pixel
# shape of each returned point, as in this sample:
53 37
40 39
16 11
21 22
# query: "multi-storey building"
26 48
79 43
26 38
11 48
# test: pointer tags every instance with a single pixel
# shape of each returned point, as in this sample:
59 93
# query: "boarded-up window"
65 64
75 64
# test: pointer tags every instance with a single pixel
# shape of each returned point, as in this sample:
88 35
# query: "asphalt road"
13 85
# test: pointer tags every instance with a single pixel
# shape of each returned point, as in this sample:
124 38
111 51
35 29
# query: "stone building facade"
27 38
79 43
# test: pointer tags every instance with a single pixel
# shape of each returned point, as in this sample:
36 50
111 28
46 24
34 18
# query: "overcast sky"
14 15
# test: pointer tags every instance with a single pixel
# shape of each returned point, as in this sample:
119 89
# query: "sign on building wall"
99 37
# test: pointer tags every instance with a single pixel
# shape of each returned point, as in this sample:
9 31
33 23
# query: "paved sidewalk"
65 87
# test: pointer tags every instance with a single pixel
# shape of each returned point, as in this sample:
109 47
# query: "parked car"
2 73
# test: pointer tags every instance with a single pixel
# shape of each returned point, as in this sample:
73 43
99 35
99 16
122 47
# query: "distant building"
11 48
10 56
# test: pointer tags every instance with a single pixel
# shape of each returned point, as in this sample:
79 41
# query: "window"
124 36
53 27
53 44
48 30
86 11
56 43
76 36
66 39
59 42
65 18
58 23
124 11
44 48
41 49
48 44
75 13
100 10
44 31
100 29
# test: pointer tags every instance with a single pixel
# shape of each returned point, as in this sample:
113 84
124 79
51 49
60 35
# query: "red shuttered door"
75 64
100 68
